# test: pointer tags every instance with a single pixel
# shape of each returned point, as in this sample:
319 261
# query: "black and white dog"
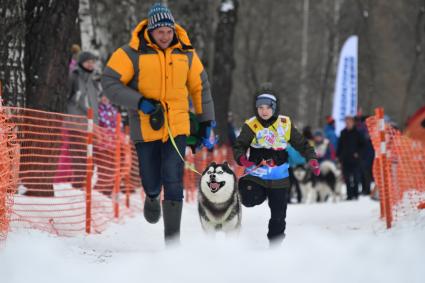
218 199
326 186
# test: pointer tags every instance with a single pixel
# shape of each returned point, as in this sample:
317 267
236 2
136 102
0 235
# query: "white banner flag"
345 96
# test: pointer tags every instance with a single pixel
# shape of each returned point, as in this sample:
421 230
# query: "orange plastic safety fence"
52 191
9 159
68 176
401 168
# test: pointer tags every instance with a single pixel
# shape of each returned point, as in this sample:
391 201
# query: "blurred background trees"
294 44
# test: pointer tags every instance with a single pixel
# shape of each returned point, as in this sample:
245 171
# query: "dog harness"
275 137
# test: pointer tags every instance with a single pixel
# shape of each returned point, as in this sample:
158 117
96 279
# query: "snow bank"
342 242
63 214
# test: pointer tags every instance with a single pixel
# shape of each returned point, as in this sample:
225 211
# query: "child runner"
267 136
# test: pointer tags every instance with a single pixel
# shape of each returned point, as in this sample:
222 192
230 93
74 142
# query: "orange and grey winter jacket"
169 76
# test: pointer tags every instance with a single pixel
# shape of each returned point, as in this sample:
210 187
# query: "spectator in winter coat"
153 77
329 131
323 147
267 135
84 90
103 152
350 145
84 93
75 51
64 171
107 113
367 156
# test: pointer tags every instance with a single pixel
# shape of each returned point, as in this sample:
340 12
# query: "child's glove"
314 166
147 105
245 162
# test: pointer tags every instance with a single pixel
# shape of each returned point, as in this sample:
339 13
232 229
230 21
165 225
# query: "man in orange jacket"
153 76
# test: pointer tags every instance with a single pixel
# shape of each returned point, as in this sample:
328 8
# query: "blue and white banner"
345 96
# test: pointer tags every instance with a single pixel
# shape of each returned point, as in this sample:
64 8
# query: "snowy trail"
342 242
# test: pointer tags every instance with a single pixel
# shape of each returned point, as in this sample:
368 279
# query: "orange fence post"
378 159
127 159
385 197
398 169
117 166
89 173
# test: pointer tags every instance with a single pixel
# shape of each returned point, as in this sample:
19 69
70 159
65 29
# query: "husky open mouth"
215 186
219 205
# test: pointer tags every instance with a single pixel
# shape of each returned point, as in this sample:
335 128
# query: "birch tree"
224 64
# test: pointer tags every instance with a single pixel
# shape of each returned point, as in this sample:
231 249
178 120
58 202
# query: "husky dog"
321 188
304 178
218 199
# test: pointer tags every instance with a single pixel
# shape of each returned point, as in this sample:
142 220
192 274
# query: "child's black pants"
253 194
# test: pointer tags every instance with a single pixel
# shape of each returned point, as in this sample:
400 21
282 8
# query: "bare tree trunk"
103 29
12 44
414 73
369 54
87 27
302 98
49 24
224 64
330 65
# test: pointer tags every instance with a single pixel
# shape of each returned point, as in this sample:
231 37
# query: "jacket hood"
180 32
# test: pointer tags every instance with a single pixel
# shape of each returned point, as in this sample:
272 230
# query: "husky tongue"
214 186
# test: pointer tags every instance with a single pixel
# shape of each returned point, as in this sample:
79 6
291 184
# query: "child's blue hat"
266 99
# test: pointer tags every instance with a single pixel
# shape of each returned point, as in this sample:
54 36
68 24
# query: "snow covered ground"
342 242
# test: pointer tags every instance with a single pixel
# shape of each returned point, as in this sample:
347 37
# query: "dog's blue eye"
220 172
